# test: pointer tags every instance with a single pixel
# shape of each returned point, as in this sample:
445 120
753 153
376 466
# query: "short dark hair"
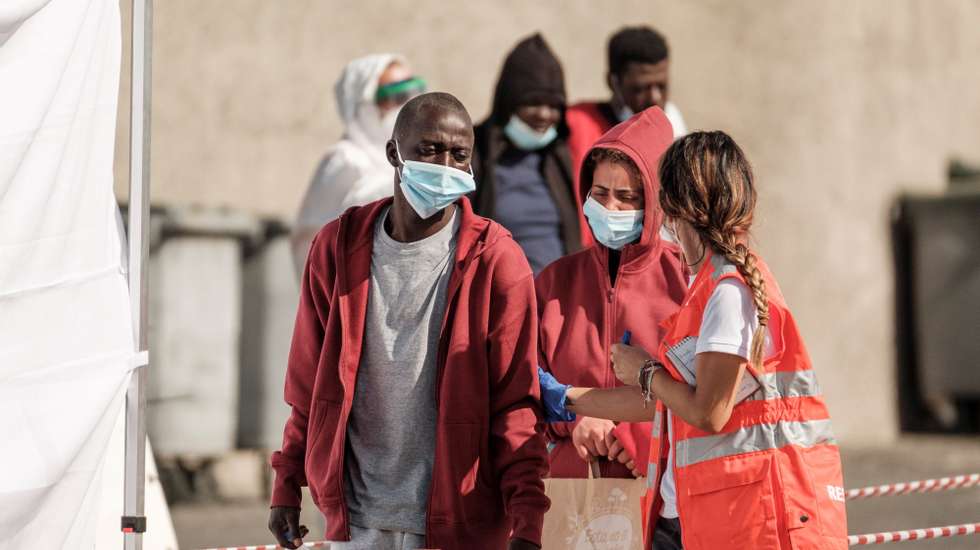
635 45
409 113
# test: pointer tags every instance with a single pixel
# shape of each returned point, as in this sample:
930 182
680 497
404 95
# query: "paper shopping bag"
594 514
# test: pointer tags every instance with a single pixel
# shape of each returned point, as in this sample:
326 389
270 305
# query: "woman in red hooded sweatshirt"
588 300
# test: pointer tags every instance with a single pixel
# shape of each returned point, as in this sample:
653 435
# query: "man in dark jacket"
412 373
523 168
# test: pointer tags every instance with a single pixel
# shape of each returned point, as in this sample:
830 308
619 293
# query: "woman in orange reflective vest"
743 455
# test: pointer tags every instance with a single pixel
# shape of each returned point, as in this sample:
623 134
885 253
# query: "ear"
391 151
611 82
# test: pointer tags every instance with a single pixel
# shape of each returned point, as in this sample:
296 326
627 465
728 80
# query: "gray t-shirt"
391 432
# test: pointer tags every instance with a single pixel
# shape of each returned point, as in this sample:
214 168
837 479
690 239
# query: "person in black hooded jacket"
521 160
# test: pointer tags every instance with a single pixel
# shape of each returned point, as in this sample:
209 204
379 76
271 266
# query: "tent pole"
133 520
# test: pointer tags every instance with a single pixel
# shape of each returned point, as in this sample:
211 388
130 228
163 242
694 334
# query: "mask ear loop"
401 165
398 153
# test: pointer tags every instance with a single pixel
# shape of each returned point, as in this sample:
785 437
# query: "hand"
619 453
627 361
521 544
284 524
631 464
593 437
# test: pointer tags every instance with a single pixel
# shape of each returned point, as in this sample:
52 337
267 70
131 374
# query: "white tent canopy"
67 346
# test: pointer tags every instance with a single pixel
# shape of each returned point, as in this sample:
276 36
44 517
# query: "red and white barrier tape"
317 544
915 534
941 484
852 540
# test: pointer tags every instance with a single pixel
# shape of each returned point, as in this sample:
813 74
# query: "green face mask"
401 91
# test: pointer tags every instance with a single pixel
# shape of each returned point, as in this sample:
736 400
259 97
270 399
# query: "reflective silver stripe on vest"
761 437
802 383
655 432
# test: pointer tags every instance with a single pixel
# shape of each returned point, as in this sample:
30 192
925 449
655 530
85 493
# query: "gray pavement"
242 522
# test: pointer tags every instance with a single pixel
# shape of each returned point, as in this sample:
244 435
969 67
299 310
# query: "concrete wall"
840 105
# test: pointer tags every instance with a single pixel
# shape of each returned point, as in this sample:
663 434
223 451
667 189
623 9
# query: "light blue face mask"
624 113
613 228
431 187
527 138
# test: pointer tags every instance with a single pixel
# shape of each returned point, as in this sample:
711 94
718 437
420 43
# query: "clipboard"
682 355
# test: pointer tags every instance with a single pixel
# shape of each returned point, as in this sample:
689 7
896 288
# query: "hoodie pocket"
462 496
320 439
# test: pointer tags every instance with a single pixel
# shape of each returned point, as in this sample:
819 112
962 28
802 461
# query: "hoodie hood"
644 137
355 91
531 74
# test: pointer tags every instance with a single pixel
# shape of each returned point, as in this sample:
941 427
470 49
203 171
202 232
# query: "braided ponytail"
745 260
706 181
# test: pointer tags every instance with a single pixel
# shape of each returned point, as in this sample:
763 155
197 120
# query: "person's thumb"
582 451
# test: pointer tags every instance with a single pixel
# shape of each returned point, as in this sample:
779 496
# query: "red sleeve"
517 446
583 131
314 305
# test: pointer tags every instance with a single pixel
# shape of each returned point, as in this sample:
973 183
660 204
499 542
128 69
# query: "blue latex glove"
553 398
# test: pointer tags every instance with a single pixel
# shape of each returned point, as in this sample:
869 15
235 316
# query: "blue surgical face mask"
527 138
431 187
613 228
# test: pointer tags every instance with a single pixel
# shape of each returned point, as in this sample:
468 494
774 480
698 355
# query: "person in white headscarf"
355 171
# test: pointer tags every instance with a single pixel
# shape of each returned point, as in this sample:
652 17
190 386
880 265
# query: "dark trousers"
667 535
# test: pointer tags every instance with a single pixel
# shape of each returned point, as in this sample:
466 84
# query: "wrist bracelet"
649 368
641 376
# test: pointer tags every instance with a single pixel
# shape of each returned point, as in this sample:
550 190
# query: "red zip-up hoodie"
489 458
582 313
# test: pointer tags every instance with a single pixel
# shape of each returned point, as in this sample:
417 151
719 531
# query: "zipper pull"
609 295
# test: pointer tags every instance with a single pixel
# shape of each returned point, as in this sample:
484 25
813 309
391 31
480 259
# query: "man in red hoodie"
629 280
412 373
638 74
